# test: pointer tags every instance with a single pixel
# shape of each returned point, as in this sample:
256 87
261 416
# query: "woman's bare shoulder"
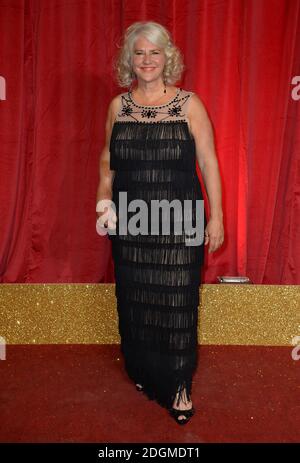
200 123
196 108
196 101
115 104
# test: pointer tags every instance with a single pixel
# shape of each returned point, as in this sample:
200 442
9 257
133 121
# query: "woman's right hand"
107 217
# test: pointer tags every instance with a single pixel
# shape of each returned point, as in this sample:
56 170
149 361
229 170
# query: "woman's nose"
146 59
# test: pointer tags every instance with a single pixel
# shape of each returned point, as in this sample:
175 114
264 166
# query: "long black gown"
157 277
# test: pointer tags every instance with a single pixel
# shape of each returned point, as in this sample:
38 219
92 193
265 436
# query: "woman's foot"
184 405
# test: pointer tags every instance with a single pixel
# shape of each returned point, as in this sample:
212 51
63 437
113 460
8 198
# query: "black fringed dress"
157 276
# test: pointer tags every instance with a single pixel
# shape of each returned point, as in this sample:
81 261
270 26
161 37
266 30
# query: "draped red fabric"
56 83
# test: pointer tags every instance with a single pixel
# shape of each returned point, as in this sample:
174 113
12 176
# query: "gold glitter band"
86 313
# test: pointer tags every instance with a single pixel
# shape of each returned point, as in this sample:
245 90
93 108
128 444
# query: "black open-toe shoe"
175 413
139 387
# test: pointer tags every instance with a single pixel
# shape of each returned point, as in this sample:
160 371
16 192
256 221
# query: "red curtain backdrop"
56 59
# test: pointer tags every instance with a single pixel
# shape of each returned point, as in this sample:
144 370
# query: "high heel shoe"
175 413
139 387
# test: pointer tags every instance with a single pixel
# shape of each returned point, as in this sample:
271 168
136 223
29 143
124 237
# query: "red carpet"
80 393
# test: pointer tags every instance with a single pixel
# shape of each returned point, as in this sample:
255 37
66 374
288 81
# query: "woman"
155 132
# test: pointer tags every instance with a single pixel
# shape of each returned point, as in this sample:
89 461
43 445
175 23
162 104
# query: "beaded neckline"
154 106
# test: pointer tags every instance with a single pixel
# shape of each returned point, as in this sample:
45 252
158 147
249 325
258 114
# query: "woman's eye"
140 53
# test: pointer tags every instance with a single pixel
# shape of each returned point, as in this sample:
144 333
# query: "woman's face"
148 60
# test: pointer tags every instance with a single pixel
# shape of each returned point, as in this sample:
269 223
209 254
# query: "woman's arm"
106 175
202 131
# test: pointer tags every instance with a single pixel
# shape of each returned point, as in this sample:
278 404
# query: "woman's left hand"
214 234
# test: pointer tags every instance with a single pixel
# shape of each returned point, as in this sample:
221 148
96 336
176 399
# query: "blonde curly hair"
158 35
